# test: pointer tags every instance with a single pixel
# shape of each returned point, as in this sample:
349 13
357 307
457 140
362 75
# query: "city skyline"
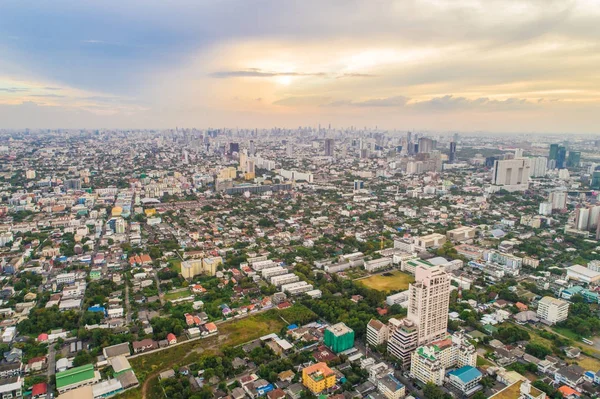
467 66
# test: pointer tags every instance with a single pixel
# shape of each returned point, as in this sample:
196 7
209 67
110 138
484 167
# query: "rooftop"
339 329
74 375
466 374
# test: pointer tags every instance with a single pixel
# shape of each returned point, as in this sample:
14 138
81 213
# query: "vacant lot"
389 281
232 333
169 296
589 363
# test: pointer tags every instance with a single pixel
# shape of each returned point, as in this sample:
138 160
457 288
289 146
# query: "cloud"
14 89
476 51
356 75
47 95
452 103
259 73
302 101
397 101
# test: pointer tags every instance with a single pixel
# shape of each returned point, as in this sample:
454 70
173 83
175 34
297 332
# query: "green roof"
417 262
75 375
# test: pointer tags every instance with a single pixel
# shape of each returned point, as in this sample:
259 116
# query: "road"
51 366
127 304
160 294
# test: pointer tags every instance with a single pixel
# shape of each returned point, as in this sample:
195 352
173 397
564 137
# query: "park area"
388 281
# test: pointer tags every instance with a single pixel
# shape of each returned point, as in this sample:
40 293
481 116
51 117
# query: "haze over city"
497 66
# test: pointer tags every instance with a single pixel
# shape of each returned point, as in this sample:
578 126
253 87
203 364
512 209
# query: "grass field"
175 265
231 333
169 296
483 362
567 333
589 363
392 281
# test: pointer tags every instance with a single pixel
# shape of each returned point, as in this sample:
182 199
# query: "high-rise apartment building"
561 157
553 152
426 145
574 159
427 319
428 303
452 155
234 147
538 166
552 310
73 184
511 174
329 147
558 199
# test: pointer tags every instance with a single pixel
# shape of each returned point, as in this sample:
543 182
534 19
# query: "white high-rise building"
552 310
582 218
512 174
377 333
427 319
120 226
518 153
538 166
558 199
545 208
428 303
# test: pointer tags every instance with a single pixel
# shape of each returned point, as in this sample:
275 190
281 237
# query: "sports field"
389 281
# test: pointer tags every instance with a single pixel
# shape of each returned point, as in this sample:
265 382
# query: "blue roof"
466 374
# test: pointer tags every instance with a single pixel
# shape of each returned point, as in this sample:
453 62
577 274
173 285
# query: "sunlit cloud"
388 63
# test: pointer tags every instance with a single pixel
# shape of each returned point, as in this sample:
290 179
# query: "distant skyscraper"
452 156
73 184
558 199
518 153
538 166
574 159
329 147
359 185
425 145
252 149
553 152
596 180
234 147
561 157
289 149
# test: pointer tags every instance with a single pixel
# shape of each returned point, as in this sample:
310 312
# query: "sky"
458 65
